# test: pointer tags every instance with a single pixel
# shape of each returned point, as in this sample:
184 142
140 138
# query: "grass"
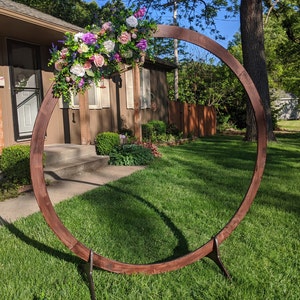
170 208
289 125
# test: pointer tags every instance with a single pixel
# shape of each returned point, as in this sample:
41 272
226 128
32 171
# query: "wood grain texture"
46 207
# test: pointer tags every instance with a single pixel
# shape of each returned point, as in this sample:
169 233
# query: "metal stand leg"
88 268
215 256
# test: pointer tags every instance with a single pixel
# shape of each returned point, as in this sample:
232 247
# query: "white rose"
83 48
78 36
78 70
132 21
109 45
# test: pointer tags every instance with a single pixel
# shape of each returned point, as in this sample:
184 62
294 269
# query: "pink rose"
87 65
63 52
60 64
124 38
98 60
106 26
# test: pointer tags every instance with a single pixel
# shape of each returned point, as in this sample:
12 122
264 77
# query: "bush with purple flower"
86 57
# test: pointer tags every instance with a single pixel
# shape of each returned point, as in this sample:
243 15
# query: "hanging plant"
86 57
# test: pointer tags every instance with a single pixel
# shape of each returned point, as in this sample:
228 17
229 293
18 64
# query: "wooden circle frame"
47 209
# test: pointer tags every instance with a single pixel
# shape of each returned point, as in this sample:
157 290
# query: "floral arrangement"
87 57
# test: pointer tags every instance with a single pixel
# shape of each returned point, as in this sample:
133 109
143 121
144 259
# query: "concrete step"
67 160
56 153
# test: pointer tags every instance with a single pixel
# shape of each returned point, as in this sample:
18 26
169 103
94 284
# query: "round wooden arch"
47 209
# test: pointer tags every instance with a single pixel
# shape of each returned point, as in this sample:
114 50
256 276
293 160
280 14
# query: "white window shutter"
129 89
145 88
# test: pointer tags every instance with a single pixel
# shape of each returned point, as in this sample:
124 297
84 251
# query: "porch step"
67 160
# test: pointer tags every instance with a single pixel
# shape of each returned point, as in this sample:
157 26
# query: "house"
26 35
287 105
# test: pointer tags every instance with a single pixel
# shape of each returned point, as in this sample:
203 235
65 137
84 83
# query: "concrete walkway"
62 189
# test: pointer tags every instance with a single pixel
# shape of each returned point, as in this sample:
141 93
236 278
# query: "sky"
227 27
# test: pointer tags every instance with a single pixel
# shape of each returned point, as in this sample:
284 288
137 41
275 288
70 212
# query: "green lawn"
290 125
172 207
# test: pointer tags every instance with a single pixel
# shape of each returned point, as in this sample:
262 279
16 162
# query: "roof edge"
60 25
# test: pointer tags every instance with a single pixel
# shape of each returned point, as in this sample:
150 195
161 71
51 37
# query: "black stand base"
88 269
215 256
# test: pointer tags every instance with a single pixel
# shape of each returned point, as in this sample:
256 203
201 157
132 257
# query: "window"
144 86
99 96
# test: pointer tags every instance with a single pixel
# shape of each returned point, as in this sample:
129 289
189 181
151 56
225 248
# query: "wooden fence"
193 119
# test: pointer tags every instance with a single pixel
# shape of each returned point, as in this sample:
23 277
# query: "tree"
282 37
202 13
76 12
252 34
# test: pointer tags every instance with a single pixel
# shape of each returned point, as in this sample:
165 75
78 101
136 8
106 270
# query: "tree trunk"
252 35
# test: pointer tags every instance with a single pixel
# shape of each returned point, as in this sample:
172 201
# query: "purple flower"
89 38
118 57
142 44
53 49
81 83
140 13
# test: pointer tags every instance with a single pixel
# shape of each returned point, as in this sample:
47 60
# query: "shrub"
147 131
15 164
152 129
172 130
130 155
105 142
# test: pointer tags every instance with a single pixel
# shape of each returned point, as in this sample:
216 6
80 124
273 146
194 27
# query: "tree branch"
270 10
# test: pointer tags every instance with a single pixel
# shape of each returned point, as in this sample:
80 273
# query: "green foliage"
282 43
15 164
173 130
127 132
76 12
122 39
130 155
153 129
105 142
165 211
207 83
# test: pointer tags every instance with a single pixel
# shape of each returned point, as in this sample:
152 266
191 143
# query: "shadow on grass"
182 244
138 219
38 245
48 250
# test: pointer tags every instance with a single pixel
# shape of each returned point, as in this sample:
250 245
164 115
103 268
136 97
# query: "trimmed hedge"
105 142
15 164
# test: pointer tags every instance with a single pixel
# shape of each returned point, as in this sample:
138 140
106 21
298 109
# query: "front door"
25 79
